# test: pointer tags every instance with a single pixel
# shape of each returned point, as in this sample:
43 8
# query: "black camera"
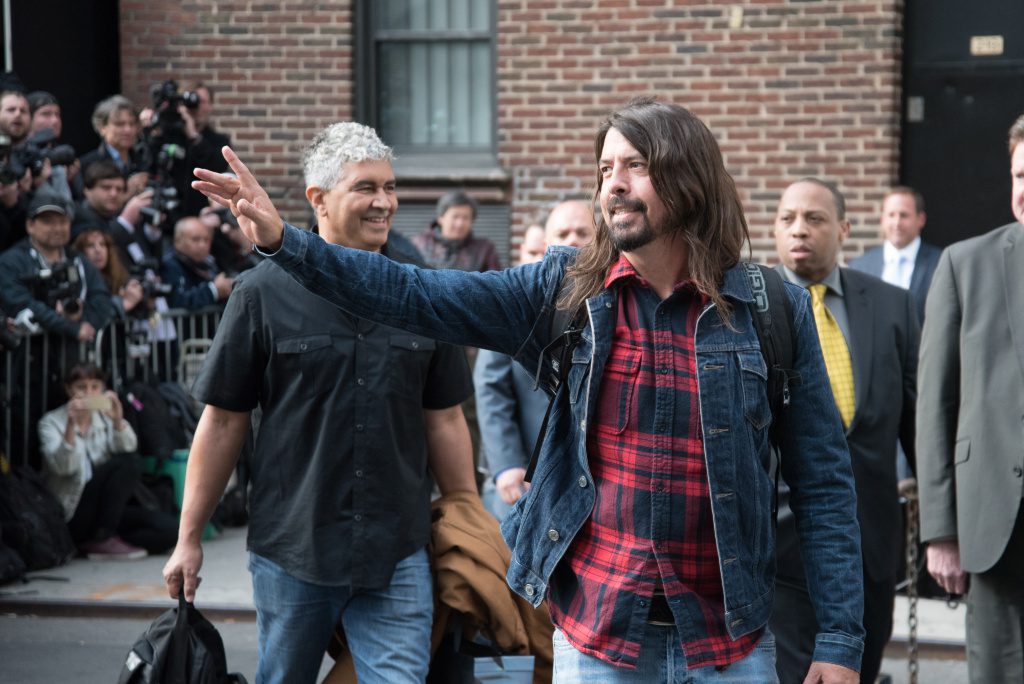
11 169
145 272
42 145
32 155
165 201
166 98
59 285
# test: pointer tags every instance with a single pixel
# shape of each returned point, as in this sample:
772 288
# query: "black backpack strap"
565 331
776 338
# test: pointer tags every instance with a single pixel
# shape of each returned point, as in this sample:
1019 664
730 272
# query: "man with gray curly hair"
356 416
338 144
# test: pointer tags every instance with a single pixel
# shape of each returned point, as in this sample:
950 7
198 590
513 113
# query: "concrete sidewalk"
116 587
111 587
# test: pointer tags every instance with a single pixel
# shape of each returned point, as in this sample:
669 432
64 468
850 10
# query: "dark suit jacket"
884 332
86 217
873 262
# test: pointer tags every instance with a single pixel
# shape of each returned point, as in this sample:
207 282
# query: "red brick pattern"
790 88
282 71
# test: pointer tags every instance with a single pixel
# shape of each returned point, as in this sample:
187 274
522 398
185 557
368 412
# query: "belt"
660 614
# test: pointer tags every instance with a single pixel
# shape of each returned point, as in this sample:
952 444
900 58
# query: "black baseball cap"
46 200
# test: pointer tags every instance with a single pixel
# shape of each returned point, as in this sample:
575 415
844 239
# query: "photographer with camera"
86 446
208 156
65 293
44 111
176 144
15 121
129 220
15 180
191 270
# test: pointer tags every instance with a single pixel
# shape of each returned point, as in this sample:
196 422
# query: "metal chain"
913 521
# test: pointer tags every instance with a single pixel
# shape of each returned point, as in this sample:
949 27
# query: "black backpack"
160 432
179 647
776 343
12 567
32 520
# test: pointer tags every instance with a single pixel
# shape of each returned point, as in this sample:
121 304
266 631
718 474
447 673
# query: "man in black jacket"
191 270
65 293
104 207
213 141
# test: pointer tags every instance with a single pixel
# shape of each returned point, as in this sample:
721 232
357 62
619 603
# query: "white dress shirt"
899 263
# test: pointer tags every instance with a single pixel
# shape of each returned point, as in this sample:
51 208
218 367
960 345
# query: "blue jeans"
388 630
662 662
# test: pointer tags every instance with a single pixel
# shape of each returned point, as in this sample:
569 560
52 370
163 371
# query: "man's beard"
631 239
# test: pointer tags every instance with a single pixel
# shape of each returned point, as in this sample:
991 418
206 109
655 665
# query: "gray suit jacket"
970 423
508 409
884 336
873 262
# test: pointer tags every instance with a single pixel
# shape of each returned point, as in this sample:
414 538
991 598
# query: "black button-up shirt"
340 489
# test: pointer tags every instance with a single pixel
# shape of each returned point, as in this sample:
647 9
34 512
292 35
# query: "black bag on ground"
12 567
149 414
179 647
33 521
183 407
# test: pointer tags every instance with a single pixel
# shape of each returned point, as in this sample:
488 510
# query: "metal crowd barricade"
168 347
32 375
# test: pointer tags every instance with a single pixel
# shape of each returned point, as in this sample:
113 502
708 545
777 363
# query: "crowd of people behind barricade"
112 271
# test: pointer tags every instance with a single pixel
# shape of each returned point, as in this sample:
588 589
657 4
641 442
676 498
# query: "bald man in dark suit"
878 324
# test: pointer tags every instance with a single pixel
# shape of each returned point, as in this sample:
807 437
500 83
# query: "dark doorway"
963 87
71 49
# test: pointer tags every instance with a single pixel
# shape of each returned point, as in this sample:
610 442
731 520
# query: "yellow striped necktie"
836 353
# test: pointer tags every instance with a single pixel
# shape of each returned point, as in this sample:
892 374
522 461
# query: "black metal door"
71 49
964 86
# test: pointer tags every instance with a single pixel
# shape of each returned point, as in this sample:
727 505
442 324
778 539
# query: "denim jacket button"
583 424
553 535
530 591
583 481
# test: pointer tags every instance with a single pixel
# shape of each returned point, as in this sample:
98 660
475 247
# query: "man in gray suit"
869 333
509 408
903 259
970 432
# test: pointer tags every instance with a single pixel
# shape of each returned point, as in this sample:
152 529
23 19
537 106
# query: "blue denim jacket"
510 311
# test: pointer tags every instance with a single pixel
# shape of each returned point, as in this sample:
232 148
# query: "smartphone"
98 402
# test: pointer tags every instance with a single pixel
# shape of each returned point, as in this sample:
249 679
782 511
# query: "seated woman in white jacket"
88 464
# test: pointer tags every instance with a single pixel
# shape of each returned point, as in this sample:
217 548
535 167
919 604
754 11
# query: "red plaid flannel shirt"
652 521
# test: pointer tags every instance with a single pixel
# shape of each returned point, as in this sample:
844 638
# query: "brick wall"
796 89
281 70
789 88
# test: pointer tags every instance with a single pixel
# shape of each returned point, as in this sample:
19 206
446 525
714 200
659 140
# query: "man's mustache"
628 204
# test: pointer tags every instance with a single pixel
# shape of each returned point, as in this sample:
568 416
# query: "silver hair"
337 145
108 107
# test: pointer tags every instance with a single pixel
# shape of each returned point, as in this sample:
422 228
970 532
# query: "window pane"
435 94
434 15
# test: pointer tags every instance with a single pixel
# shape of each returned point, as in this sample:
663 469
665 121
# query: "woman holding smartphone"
85 445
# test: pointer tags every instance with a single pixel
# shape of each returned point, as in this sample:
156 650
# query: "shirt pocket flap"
303 344
411 342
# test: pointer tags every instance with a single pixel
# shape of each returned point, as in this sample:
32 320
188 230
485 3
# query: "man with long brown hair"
648 524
